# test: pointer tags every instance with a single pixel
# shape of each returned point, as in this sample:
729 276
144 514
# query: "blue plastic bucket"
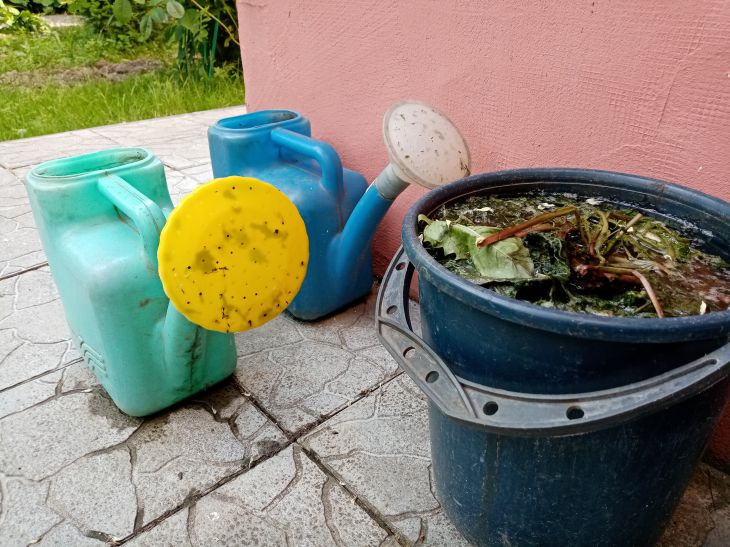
550 427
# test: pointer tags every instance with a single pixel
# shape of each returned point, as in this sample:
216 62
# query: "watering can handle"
145 213
526 414
319 151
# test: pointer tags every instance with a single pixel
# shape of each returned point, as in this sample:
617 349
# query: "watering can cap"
424 145
233 254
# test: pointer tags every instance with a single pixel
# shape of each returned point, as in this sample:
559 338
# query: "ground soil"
102 69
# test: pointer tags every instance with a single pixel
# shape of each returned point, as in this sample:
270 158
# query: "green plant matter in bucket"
587 255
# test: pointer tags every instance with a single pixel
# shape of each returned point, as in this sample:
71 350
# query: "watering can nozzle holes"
233 254
424 145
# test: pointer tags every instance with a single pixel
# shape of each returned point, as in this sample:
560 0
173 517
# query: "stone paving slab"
286 500
181 183
302 373
703 515
35 150
34 335
20 246
73 465
379 447
181 142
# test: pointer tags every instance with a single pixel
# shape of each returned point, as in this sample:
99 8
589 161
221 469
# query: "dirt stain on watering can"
257 256
241 237
204 261
265 230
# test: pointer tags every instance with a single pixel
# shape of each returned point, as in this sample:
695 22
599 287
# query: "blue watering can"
103 217
339 210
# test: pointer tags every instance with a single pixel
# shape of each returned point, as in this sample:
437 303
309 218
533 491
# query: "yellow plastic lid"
233 254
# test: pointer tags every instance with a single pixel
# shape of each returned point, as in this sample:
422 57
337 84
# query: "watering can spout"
350 248
425 148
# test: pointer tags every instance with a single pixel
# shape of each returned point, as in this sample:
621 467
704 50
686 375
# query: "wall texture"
641 87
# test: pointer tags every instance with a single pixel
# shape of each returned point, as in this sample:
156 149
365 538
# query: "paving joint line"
290 440
362 504
24 270
258 406
42 374
299 433
192 499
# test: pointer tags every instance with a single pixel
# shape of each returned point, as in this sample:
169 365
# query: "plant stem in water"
645 283
620 234
510 232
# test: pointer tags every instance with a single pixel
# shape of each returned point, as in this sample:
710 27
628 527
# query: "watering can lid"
233 254
424 145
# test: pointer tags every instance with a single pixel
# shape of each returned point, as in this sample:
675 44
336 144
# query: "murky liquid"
685 280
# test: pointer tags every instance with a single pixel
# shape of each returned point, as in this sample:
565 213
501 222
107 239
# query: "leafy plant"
42 6
206 34
16 16
100 16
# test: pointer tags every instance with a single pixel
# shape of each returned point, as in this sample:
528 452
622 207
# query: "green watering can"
152 295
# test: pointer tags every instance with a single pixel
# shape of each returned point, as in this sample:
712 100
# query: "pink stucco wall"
642 87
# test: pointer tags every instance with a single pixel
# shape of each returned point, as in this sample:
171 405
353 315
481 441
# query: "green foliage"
16 17
40 6
101 16
122 10
206 33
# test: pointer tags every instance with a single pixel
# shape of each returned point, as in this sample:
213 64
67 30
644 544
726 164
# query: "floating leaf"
507 259
548 255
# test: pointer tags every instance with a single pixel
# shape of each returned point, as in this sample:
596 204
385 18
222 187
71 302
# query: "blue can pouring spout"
340 211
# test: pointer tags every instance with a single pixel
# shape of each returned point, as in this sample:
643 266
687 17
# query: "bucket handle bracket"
526 414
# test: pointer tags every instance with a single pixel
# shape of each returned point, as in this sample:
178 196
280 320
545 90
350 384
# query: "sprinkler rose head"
424 146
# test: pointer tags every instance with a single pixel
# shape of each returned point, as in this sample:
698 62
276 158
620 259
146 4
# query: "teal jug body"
99 216
276 146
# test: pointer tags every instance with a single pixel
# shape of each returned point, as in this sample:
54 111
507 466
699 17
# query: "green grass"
29 112
52 108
